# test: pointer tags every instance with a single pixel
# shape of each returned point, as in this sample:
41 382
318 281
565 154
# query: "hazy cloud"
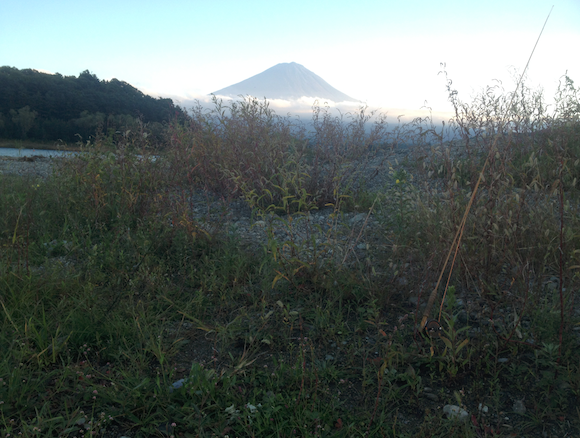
302 108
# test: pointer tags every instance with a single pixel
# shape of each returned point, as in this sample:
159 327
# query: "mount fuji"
286 81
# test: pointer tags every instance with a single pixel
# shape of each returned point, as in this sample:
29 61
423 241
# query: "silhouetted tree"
50 107
24 118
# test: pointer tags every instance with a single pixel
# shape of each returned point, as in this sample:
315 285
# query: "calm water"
14 152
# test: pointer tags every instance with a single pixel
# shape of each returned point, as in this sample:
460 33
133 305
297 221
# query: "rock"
454 412
519 407
177 385
402 281
431 396
358 218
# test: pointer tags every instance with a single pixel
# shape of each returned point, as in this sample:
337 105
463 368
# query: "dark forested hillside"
40 106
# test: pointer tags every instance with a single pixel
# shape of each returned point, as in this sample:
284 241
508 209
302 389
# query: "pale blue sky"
386 53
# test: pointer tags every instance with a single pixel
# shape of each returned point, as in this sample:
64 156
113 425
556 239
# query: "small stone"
483 408
455 412
431 396
358 218
519 407
402 281
502 360
177 385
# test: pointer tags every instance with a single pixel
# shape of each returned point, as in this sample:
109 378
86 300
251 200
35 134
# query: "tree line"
52 107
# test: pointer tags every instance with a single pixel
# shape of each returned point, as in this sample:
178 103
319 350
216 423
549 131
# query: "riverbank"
136 279
35 165
28 144
147 282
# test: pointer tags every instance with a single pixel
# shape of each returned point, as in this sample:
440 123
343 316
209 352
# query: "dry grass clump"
245 149
522 230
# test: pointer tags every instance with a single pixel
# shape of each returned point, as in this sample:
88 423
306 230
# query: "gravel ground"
42 166
351 235
32 166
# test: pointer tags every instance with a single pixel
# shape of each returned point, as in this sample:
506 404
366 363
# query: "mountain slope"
285 81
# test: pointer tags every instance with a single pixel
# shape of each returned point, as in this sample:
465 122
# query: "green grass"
111 289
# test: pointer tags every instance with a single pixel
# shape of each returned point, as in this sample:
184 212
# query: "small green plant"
452 358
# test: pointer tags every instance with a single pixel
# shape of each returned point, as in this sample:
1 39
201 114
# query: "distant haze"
288 81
